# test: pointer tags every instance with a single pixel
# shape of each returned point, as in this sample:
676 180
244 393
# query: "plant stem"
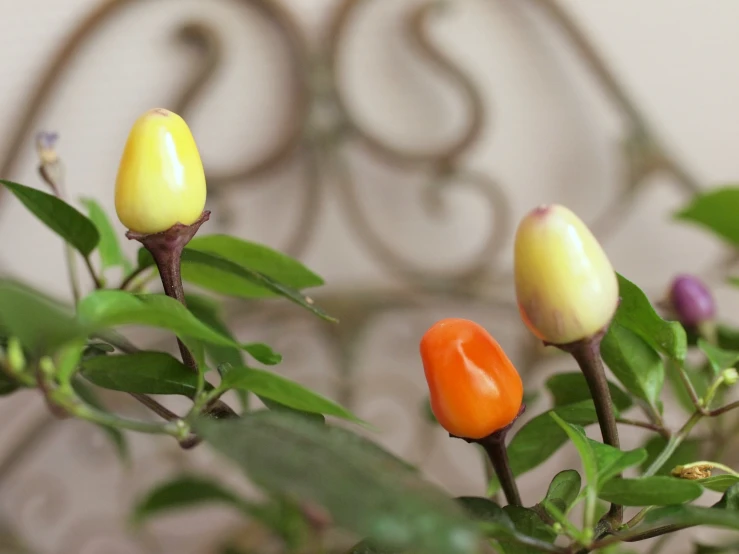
672 444
495 448
72 272
166 249
91 270
678 366
645 425
587 355
102 418
724 409
131 276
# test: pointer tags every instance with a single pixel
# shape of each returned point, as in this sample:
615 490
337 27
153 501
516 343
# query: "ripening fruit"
566 288
474 388
691 301
160 178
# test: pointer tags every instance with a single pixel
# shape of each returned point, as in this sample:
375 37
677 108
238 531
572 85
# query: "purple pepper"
691 300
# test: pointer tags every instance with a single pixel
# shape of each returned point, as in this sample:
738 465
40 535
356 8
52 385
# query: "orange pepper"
475 389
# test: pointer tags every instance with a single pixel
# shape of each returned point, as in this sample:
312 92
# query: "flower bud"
160 178
691 301
566 288
15 356
730 376
474 388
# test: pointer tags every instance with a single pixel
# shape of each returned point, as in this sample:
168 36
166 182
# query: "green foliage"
57 215
288 393
40 323
634 363
185 492
109 247
636 313
223 271
388 503
724 514
255 257
715 210
658 490
719 483
541 437
719 358
570 388
564 489
141 373
688 451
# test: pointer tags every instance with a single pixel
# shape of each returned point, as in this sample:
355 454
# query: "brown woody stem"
495 448
166 249
587 355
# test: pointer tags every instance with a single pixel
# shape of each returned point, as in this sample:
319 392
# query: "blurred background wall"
394 160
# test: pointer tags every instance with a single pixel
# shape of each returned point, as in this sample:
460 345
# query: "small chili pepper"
474 388
566 287
160 181
691 301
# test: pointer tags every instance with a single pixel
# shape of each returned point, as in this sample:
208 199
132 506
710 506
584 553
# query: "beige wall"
551 135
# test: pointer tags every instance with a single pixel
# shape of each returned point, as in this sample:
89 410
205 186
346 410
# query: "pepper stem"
495 448
166 249
587 355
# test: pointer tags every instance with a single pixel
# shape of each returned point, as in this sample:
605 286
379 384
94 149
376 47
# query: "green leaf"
259 258
58 216
634 363
142 373
69 358
208 311
699 379
286 392
569 388
725 513
612 461
112 308
263 353
114 434
274 405
584 448
687 452
184 492
563 489
714 210
719 483
144 259
527 523
541 437
365 489
650 491
719 358
40 323
637 314
109 247
227 277
484 509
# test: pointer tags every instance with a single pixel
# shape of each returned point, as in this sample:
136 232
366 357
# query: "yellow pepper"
566 287
160 181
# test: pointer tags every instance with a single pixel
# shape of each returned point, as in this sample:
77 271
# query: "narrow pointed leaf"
65 220
111 254
389 503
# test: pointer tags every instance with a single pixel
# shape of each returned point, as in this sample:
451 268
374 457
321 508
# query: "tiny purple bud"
46 146
691 300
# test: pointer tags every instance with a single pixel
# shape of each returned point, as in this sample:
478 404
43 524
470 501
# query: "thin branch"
91 271
645 425
724 409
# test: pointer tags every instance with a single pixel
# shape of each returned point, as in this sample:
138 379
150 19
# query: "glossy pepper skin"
566 287
160 181
474 388
691 300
